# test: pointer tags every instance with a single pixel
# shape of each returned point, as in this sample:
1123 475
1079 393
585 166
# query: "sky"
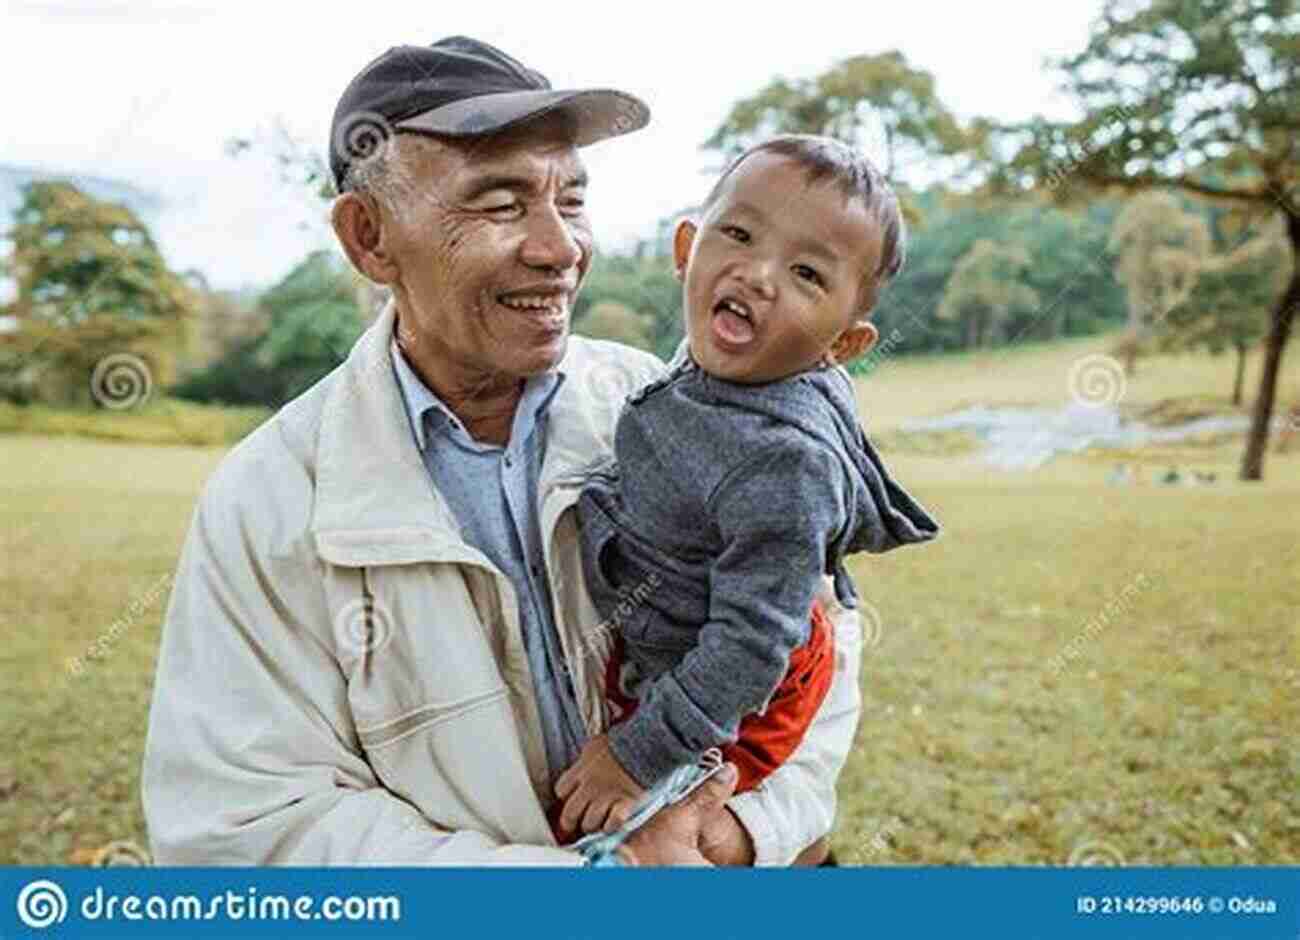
149 92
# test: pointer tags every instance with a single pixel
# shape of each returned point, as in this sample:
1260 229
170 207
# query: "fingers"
567 783
619 813
575 807
710 797
594 818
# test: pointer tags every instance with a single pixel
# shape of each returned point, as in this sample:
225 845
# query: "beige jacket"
342 679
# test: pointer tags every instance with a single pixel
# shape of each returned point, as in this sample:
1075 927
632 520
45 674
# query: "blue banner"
1004 903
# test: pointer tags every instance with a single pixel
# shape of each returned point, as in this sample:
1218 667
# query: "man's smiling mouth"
548 303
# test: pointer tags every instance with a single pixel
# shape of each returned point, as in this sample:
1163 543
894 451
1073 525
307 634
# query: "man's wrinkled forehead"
535 153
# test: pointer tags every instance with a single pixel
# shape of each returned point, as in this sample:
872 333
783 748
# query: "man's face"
774 272
491 241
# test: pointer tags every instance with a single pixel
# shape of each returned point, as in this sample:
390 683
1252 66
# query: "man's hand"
597 791
724 841
674 835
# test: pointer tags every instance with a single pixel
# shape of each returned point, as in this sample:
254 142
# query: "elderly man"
380 648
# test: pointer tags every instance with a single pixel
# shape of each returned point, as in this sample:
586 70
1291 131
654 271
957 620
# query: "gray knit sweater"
705 540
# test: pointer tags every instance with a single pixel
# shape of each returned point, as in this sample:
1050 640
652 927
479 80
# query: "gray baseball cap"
461 87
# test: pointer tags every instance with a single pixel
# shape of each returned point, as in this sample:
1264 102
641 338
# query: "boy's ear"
683 239
856 341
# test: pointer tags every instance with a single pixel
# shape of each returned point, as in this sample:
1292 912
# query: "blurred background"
1084 370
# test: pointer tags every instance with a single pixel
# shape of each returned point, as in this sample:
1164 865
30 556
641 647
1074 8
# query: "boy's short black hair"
829 160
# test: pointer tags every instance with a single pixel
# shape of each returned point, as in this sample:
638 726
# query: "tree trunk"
1252 464
1241 374
972 327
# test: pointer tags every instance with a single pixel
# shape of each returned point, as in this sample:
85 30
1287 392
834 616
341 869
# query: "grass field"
1073 668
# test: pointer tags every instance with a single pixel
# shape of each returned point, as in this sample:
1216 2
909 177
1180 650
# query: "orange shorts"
765 741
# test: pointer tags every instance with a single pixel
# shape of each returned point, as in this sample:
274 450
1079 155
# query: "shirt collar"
420 401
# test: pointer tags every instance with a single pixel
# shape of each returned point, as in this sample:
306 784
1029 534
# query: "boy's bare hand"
597 792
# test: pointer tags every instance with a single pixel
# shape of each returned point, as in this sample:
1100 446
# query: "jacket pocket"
410 643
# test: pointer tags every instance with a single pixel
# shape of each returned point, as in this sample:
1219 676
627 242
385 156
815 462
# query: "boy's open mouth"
733 322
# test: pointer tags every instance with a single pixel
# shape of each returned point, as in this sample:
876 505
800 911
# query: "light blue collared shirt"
492 492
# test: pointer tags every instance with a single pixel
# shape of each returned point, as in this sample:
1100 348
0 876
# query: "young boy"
741 478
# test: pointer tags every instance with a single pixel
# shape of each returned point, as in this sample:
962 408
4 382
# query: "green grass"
1168 739
165 421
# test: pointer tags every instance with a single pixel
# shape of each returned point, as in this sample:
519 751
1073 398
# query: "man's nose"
550 242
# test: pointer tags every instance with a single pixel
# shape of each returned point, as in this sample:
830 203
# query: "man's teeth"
551 303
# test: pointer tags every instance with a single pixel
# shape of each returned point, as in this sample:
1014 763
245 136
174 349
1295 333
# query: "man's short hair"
827 160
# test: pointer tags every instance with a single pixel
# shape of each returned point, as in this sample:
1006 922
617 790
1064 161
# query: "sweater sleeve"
775 512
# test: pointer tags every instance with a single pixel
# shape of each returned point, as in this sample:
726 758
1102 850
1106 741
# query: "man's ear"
683 239
358 225
856 341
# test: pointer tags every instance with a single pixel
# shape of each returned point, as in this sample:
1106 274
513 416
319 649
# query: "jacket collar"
375 503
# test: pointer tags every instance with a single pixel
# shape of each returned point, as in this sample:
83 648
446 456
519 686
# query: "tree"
984 288
1203 95
90 283
646 287
1230 304
1160 248
313 318
610 320
879 103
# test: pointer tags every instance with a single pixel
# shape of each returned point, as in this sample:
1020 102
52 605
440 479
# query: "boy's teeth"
735 308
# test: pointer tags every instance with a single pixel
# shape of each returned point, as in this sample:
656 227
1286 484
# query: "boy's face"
774 273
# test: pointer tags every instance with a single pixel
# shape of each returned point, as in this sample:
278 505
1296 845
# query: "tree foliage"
1228 308
879 103
313 319
90 282
1159 248
1203 95
985 288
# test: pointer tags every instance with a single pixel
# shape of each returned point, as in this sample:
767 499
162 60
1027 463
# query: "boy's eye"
736 232
809 275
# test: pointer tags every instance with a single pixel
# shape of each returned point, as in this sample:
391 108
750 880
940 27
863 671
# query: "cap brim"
597 113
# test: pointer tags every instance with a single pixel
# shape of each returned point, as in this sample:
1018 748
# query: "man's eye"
574 204
736 232
809 274
501 208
